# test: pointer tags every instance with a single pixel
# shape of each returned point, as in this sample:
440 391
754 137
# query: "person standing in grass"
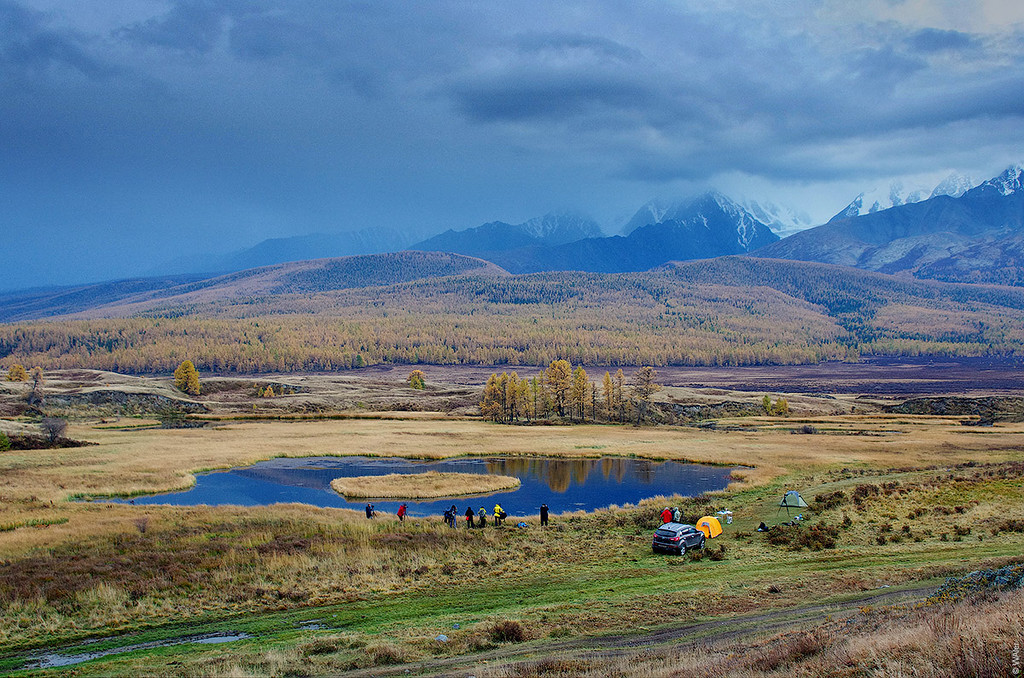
543 514
666 515
469 516
369 510
499 514
677 515
483 517
401 513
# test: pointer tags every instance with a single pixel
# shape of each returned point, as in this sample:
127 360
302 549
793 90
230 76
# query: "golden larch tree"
186 378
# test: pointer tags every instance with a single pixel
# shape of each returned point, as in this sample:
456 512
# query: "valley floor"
899 502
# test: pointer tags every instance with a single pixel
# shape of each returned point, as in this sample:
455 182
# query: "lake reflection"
563 484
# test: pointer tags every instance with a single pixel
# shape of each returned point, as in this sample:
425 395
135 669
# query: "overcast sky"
135 131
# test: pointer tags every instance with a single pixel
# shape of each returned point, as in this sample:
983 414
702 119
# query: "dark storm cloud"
226 121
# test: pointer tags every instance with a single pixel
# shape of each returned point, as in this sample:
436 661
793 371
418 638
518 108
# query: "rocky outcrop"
690 412
989 408
123 402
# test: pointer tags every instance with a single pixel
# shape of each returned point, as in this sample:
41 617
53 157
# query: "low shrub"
829 500
862 492
385 654
508 631
815 538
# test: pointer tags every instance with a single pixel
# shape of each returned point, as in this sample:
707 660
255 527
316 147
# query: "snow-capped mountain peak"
1010 181
782 219
897 194
561 227
954 186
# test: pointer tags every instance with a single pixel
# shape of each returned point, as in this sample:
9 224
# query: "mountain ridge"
976 237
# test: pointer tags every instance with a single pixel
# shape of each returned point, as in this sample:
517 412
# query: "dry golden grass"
429 485
976 637
36 484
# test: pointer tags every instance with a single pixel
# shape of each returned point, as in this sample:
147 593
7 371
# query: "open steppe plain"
324 591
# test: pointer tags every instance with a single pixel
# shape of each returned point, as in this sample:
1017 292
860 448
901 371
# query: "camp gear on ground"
710 526
726 514
791 500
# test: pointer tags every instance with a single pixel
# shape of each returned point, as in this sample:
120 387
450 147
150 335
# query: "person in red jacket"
666 515
401 512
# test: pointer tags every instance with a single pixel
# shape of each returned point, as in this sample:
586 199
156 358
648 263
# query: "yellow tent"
709 526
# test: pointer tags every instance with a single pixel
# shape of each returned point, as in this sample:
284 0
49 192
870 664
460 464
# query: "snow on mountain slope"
1010 181
782 219
869 202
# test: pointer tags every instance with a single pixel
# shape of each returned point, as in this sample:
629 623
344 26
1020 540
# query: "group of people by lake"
473 518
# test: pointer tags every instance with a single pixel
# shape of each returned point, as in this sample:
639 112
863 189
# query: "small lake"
562 484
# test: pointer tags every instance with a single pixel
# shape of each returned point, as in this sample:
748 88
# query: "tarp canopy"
792 500
710 526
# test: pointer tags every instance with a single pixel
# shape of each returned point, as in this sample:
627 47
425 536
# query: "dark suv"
676 538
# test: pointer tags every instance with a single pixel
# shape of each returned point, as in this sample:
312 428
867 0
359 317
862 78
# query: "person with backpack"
666 515
402 510
469 517
499 515
482 515
369 510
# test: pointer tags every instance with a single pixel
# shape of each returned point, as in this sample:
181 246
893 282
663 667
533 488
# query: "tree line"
718 313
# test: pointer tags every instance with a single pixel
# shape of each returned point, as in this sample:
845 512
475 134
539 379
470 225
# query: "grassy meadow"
427 485
903 502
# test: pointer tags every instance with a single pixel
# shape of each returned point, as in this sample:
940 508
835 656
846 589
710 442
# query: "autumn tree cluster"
778 408
564 392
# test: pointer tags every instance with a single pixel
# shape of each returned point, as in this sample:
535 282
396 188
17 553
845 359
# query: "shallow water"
562 484
50 660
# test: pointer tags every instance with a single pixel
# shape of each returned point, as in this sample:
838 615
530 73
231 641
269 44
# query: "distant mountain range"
709 225
869 202
369 240
952 232
550 230
976 237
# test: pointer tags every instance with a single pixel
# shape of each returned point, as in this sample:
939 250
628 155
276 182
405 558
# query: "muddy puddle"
68 657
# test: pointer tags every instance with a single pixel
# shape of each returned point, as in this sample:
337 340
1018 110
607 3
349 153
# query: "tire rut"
611 646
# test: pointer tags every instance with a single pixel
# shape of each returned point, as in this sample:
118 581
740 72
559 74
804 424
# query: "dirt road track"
611 646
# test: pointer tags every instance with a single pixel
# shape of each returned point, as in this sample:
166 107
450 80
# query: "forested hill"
317 275
730 310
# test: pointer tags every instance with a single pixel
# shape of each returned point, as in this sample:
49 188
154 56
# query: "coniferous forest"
728 311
